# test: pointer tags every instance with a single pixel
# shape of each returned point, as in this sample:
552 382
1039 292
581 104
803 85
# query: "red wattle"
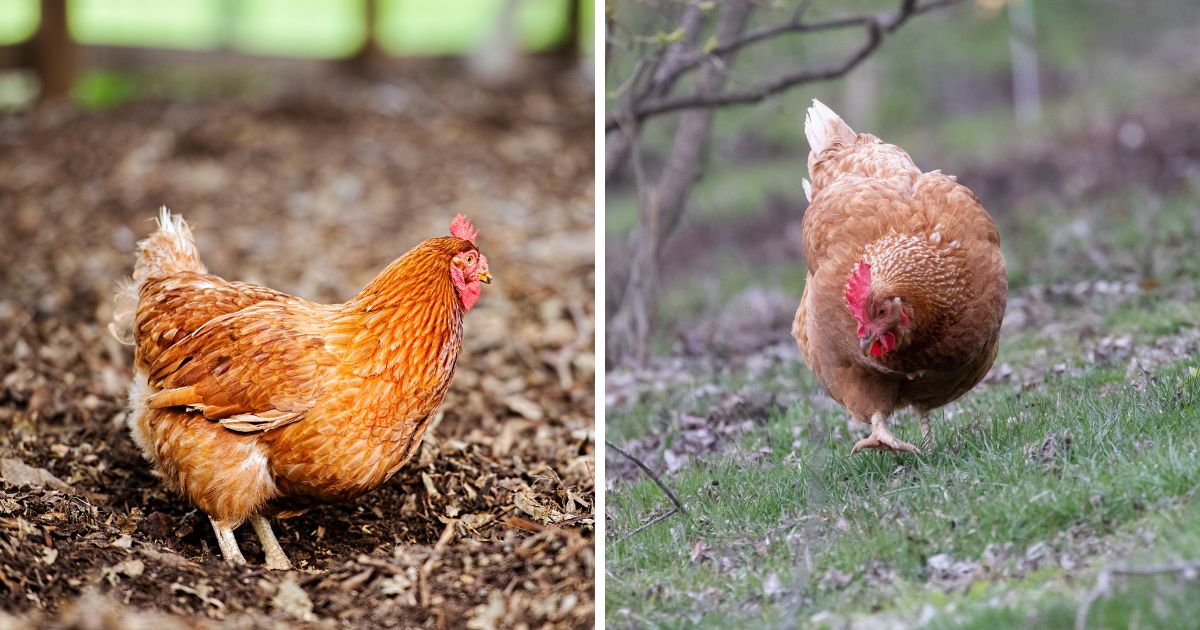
468 292
883 344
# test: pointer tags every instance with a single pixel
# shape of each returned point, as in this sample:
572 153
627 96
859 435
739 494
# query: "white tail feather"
169 250
821 125
172 224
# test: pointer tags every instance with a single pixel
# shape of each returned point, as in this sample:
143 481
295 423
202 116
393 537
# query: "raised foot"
883 440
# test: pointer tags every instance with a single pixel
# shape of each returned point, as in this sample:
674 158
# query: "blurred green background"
299 28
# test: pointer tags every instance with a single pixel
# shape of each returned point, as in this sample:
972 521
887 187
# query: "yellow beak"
486 277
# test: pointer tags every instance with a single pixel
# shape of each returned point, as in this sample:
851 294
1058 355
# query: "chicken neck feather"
408 318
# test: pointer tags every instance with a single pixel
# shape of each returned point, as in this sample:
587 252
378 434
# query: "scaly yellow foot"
276 559
882 439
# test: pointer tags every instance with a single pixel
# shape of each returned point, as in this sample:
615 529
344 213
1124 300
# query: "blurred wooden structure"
55 56
57 59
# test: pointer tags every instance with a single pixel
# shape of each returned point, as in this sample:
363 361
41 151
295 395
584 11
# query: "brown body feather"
253 402
927 239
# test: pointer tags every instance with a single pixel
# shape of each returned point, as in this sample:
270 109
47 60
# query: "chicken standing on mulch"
310 189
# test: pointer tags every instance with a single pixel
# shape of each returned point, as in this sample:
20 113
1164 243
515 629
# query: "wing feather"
250 358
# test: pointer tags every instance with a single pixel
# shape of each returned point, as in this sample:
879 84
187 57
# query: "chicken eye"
470 260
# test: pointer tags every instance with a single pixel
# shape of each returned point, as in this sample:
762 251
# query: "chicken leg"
927 441
228 543
881 438
276 559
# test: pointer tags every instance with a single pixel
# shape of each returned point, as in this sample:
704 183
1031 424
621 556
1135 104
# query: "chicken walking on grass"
906 284
255 404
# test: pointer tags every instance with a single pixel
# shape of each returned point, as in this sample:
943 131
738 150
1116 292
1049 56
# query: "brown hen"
256 404
906 283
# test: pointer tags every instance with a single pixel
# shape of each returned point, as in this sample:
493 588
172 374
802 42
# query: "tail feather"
171 249
822 126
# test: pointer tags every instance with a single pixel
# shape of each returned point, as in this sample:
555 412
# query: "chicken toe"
276 559
881 438
228 543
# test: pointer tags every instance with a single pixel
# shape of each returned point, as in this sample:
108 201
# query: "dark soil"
311 189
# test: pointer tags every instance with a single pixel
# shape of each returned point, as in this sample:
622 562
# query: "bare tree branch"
662 77
798 14
876 25
762 91
649 473
654 521
661 206
888 21
1179 567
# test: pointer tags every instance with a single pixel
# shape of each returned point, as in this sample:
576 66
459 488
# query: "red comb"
857 290
461 227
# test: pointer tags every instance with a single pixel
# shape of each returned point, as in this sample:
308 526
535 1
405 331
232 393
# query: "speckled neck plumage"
409 317
917 270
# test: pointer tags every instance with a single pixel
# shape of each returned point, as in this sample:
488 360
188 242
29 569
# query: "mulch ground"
310 187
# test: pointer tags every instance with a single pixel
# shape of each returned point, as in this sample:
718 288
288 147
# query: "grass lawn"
1029 491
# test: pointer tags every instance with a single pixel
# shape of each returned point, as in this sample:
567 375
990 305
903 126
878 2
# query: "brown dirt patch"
310 190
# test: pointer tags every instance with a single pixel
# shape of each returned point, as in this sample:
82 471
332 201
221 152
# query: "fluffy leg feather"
881 438
276 559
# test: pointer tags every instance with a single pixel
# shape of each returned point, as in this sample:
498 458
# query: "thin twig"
1099 589
801 7
888 20
650 473
443 541
659 78
654 521
1105 577
764 90
1179 567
